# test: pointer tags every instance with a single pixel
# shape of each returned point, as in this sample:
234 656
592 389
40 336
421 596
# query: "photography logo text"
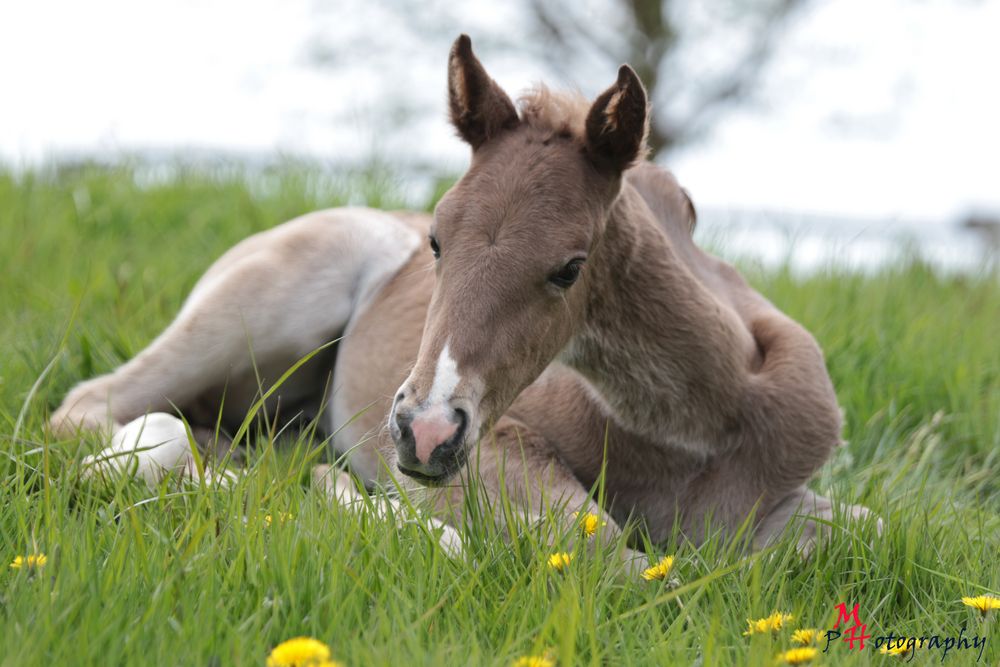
851 630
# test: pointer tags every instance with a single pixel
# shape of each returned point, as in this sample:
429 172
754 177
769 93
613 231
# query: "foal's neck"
668 357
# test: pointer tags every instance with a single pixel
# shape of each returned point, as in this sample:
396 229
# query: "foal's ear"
617 123
479 107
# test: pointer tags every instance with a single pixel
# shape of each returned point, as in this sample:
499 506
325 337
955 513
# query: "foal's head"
511 240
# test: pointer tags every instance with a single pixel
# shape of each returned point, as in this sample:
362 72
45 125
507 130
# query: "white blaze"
446 379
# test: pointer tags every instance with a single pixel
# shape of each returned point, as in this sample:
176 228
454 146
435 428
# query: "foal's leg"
273 298
517 462
150 447
340 486
808 513
730 490
514 461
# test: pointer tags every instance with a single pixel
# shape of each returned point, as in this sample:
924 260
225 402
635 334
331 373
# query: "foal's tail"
793 407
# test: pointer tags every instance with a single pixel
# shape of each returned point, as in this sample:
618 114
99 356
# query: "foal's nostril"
403 436
463 419
403 421
400 396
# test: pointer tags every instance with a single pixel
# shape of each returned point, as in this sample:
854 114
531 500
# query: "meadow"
94 261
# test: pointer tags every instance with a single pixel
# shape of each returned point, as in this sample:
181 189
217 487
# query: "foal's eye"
435 248
567 275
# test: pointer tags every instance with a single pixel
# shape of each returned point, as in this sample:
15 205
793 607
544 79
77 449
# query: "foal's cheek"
521 348
562 323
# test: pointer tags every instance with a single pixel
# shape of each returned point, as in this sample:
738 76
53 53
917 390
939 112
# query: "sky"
878 109
873 109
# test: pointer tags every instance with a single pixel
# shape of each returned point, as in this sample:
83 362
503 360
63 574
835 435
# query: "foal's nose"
422 432
432 429
428 438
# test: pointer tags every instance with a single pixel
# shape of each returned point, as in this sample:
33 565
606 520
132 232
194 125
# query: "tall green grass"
95 261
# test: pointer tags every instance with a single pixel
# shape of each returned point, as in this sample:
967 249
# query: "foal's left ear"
617 124
480 108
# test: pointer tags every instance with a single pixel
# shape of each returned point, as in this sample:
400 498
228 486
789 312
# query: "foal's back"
672 208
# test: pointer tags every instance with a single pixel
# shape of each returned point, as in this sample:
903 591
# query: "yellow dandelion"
660 570
301 652
589 523
282 518
798 656
984 603
777 620
560 561
31 561
805 636
758 627
898 648
534 661
772 623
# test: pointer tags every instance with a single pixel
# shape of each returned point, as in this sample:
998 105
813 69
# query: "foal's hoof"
149 447
335 484
813 531
634 563
812 516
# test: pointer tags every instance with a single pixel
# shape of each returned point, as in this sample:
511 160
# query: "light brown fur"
659 365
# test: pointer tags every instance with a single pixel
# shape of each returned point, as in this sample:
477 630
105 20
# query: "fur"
660 367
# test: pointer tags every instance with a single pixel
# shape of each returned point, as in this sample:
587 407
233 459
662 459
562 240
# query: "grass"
97 260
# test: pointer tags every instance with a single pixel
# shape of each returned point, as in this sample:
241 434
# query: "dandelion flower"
534 661
282 518
660 570
560 561
759 627
798 656
778 620
772 623
589 523
805 636
984 603
301 652
31 561
898 648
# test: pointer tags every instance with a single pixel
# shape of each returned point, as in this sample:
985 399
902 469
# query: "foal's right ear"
479 107
617 124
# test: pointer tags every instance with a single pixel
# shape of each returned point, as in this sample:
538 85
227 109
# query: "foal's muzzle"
430 443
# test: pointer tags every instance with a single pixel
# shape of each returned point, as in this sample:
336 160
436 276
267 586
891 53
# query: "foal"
553 323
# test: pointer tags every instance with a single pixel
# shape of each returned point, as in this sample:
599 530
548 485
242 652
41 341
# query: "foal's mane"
562 113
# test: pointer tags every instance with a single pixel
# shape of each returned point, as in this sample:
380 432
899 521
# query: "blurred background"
812 133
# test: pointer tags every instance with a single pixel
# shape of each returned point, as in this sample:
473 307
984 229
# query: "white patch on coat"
446 379
148 447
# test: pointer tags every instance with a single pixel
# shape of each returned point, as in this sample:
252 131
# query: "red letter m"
843 616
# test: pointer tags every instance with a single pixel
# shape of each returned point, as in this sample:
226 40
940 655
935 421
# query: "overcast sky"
873 107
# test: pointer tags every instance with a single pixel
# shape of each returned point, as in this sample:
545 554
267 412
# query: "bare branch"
655 36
